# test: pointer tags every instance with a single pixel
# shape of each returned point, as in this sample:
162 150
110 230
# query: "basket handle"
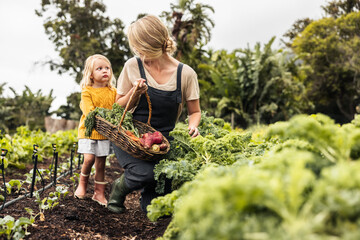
128 103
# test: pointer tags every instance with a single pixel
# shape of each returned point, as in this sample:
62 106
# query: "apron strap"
178 83
141 68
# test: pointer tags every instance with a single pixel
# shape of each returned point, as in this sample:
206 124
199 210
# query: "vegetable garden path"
86 219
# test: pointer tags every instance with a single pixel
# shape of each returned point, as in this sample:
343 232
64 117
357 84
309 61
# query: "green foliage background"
27 108
315 71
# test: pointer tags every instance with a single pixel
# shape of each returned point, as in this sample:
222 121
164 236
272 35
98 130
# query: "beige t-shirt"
189 82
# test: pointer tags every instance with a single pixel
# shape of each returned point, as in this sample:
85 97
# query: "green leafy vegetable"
111 115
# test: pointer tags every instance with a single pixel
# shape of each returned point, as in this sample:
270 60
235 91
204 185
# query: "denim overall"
139 174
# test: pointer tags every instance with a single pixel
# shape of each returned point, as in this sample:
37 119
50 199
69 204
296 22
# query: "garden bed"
86 219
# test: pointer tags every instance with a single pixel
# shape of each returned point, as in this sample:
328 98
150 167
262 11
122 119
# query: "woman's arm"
122 100
193 107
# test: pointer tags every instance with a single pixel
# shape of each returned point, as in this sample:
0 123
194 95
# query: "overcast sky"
238 23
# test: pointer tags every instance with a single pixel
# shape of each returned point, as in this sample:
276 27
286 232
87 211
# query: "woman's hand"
142 88
193 131
194 117
123 100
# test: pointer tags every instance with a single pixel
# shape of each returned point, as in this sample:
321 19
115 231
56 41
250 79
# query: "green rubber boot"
117 196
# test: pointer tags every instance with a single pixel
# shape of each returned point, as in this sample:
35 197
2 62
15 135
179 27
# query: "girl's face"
101 73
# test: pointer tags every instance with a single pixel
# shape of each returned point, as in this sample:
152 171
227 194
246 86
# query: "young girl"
96 92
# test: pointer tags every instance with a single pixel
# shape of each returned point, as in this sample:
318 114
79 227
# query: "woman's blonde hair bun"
169 46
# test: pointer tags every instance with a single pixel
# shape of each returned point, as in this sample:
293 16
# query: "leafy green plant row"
290 180
20 145
217 144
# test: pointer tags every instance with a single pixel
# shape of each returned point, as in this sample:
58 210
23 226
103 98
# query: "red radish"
157 137
142 141
148 140
163 146
146 135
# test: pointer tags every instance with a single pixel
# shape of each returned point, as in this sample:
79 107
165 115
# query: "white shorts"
99 148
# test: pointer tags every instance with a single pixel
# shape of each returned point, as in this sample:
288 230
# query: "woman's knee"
137 177
144 173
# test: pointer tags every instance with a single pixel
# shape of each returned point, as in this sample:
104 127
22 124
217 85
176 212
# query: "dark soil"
84 219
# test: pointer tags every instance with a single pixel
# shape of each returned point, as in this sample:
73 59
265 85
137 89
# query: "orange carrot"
132 136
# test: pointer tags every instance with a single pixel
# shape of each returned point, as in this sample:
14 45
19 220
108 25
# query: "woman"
169 84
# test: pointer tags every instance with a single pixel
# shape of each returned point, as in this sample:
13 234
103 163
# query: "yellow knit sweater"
90 99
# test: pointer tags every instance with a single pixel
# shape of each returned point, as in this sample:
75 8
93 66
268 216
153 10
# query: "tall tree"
190 25
329 48
337 8
78 29
333 8
295 29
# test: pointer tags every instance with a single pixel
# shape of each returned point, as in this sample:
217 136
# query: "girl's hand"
193 131
142 86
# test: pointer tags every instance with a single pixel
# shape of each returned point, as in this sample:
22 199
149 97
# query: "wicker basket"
117 135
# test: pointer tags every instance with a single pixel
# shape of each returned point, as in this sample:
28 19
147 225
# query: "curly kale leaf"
216 144
90 123
178 171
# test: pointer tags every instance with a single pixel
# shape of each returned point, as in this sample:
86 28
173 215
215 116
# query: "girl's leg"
89 160
100 184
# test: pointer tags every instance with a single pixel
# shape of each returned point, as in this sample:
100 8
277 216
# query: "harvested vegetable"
157 137
153 141
155 148
113 116
163 146
132 136
148 140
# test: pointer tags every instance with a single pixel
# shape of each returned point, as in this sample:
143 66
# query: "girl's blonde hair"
149 37
89 68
